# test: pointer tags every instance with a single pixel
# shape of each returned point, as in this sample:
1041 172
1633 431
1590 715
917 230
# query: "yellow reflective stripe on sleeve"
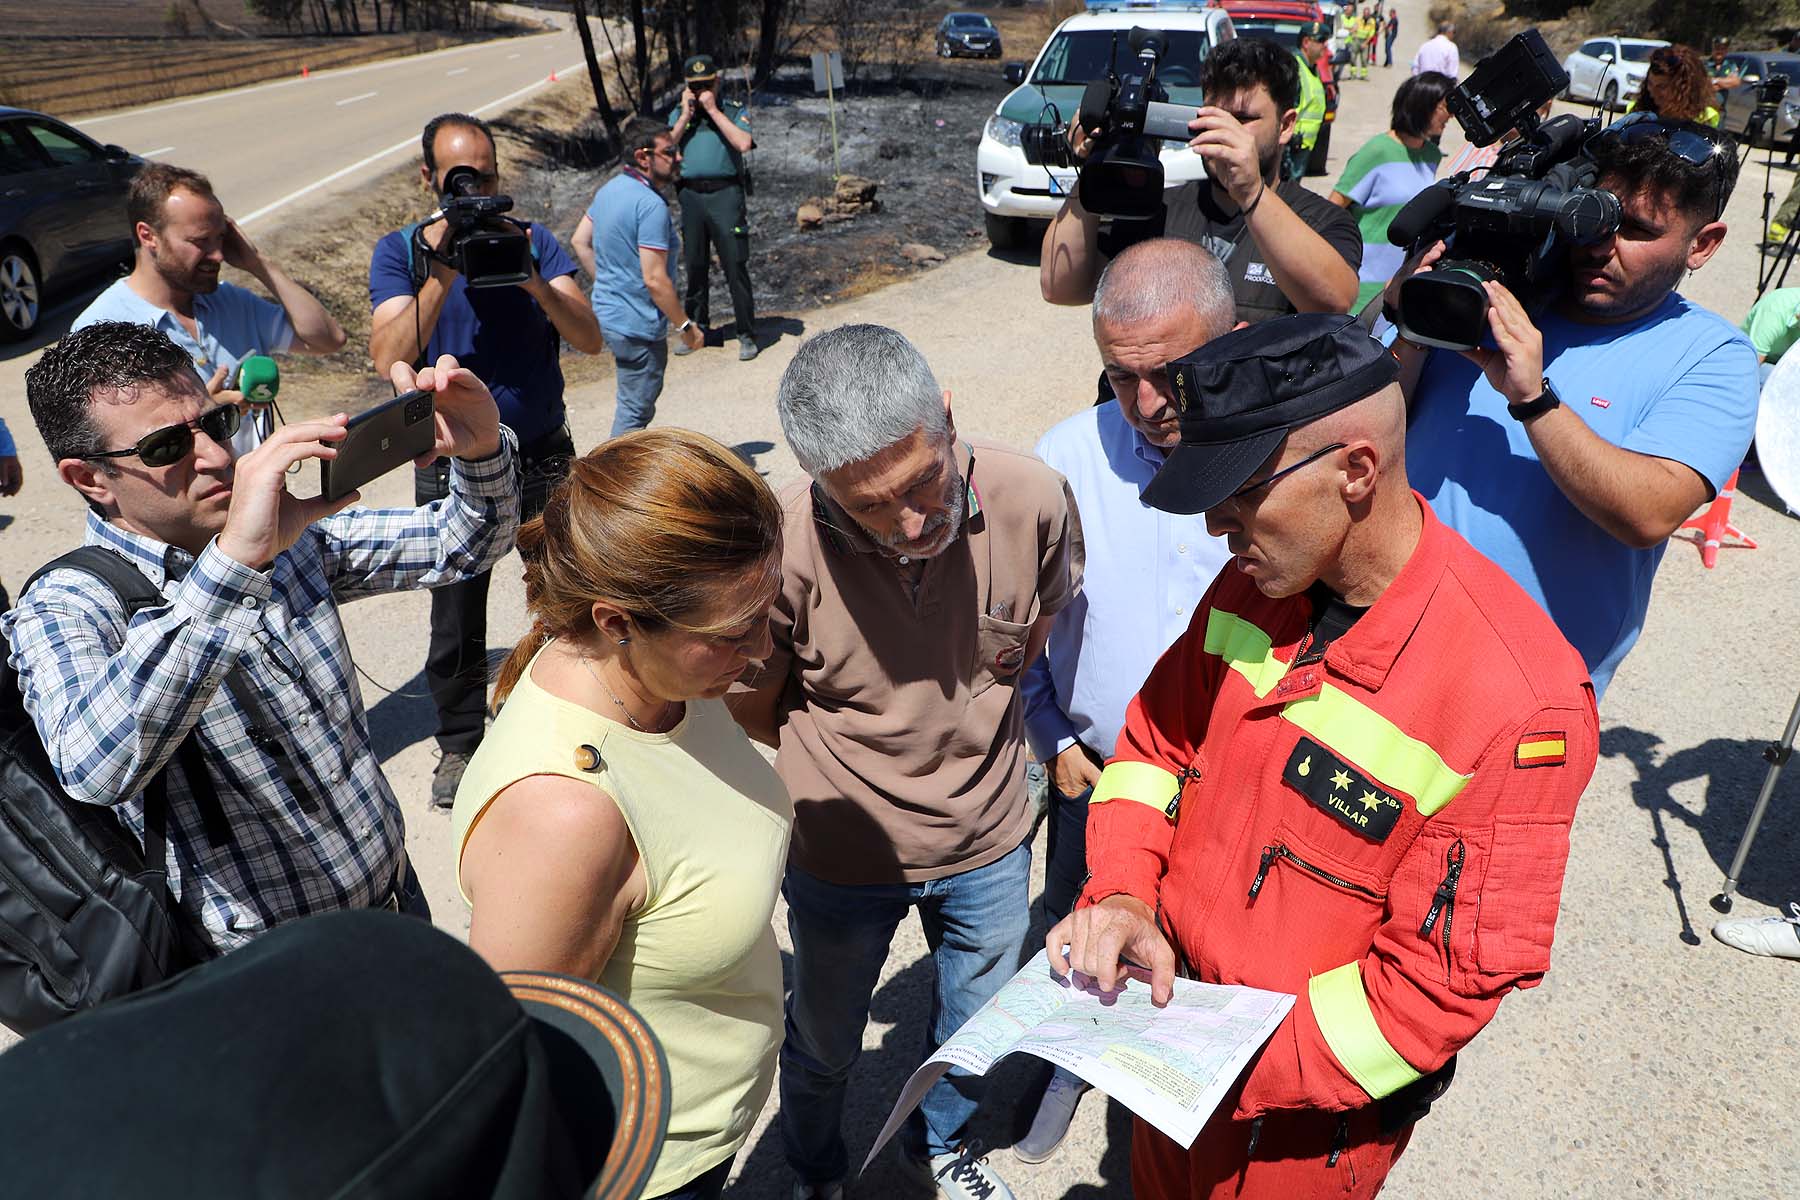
1377 746
1341 1007
1136 781
1245 648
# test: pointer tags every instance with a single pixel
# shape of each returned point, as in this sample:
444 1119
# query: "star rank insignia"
1342 793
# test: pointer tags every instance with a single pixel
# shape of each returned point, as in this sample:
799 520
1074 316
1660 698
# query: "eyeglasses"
173 443
1693 144
1315 456
665 152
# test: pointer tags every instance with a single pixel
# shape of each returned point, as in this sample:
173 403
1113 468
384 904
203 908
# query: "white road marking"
359 164
335 73
354 99
458 71
157 151
512 56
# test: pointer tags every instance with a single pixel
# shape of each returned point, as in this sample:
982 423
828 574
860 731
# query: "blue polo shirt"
232 323
500 333
628 213
1680 384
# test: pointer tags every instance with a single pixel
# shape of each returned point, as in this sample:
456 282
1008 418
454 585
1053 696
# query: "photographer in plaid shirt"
253 577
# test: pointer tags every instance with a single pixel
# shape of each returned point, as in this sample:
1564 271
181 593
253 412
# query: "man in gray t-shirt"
625 241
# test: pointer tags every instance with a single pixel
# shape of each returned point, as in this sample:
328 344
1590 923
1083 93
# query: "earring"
624 641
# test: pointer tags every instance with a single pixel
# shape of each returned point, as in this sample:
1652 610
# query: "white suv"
1011 189
1610 69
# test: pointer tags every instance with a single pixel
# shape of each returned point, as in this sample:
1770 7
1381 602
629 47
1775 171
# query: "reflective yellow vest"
1311 109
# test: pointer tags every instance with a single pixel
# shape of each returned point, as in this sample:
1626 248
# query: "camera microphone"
259 379
1421 212
1141 39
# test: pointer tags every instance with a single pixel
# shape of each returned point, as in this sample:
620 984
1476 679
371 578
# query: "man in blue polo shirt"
511 338
1573 447
627 242
183 237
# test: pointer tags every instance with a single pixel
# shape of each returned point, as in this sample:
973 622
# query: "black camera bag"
85 911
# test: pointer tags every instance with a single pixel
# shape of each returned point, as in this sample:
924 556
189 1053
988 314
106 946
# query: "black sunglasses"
1315 456
1693 144
173 443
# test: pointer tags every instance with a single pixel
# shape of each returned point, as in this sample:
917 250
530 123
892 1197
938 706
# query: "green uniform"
713 215
1771 324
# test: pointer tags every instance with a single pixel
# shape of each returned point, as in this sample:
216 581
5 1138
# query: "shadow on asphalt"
1734 770
404 713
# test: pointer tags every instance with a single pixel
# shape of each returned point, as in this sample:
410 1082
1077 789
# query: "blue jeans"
1065 858
975 923
640 363
709 1186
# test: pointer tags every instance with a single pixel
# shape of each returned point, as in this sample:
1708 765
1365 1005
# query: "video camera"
1516 223
1122 177
486 248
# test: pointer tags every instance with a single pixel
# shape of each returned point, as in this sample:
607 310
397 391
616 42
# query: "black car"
967 33
62 212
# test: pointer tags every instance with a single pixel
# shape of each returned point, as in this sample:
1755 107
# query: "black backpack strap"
135 591
264 737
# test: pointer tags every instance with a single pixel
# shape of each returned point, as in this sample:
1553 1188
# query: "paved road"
274 144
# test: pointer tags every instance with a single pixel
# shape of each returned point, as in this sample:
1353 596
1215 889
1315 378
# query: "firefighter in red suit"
1352 779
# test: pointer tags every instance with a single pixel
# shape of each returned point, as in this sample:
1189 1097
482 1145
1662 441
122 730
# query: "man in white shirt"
1440 53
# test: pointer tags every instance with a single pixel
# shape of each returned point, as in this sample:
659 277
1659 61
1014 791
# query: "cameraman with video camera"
501 296
1589 424
1285 248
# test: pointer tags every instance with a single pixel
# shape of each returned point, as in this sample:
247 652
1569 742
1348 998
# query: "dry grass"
871 278
70 77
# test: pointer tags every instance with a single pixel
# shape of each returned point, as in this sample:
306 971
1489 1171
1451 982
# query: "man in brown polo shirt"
921 573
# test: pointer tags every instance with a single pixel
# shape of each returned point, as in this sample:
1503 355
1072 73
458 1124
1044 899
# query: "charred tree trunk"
768 38
608 117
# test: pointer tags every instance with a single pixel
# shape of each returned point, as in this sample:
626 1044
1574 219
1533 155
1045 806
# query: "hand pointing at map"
1099 935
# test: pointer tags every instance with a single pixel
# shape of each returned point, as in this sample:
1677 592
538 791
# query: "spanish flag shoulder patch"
1547 748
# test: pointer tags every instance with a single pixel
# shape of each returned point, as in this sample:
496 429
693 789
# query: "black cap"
1317 30
1237 396
699 69
359 1053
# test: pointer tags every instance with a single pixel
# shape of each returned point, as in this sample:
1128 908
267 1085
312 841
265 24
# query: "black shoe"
447 777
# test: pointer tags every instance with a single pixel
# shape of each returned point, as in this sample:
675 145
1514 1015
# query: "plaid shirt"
114 703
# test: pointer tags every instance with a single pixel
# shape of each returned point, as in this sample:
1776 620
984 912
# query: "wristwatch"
685 325
1546 400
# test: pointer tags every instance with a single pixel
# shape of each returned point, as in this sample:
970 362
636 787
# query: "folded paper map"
1171 1065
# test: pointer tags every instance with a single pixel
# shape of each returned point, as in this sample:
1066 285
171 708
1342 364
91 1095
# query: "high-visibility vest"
1311 109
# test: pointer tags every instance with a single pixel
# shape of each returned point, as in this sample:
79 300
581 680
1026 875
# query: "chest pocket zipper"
1279 851
1186 776
1443 900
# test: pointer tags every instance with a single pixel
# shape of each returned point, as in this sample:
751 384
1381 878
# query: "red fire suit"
1381 831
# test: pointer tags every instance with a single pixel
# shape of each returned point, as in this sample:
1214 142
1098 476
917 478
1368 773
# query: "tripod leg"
1777 753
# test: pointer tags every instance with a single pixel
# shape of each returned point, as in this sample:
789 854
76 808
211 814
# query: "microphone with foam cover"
1421 212
1094 100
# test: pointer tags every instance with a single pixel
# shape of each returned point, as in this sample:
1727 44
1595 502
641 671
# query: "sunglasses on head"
1693 144
173 443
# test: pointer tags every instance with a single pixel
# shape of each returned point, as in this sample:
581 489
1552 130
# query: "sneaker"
747 349
832 1190
1775 937
962 1176
1051 1124
444 780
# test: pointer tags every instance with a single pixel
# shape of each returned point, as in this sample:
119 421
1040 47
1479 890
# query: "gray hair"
853 391
1152 278
1446 27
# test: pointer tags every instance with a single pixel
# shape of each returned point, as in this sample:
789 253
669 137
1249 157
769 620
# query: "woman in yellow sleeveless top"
616 824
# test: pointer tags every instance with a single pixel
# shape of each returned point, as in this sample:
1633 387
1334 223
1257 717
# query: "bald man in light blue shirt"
1146 569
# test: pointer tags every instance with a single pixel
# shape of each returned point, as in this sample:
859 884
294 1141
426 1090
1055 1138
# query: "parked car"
1753 67
1012 190
62 212
1610 69
967 33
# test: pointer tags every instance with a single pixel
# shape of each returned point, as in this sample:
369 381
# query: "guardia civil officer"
713 136
1307 796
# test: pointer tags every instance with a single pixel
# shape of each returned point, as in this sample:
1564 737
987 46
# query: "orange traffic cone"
304 72
1712 527
553 77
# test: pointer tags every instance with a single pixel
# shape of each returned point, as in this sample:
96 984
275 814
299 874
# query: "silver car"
1738 103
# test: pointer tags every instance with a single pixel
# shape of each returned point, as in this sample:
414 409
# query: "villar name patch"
1337 789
